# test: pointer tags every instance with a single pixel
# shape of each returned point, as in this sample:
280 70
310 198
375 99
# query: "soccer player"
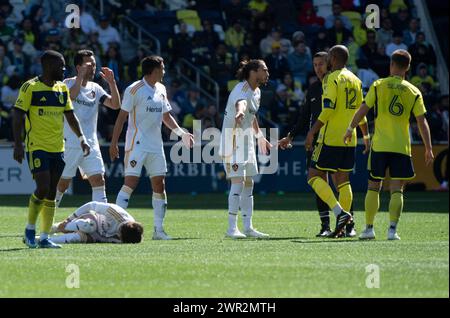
342 95
42 103
99 222
237 146
308 115
394 100
86 97
146 106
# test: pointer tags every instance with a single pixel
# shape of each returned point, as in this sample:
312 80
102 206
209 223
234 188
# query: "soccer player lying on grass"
98 222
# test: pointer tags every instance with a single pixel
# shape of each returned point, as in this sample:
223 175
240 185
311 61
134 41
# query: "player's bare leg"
246 205
234 198
62 187
372 204
395 207
123 197
159 203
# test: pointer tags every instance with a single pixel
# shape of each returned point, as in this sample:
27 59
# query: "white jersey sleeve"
101 94
128 100
166 104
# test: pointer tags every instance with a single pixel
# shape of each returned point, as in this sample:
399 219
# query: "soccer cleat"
367 234
255 233
341 221
324 232
160 236
29 238
350 230
392 235
46 243
235 234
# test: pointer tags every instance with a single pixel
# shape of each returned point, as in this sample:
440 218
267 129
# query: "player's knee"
42 191
374 185
248 183
97 180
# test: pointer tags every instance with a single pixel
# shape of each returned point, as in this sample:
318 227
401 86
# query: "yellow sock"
323 190
372 204
345 196
395 206
34 207
47 214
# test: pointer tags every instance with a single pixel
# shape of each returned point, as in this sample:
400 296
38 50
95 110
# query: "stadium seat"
354 17
396 5
190 17
214 16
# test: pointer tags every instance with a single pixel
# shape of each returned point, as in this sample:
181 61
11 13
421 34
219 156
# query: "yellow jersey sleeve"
371 97
419 106
329 97
69 105
23 101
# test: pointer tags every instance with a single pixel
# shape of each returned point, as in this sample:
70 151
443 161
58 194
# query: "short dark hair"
340 52
50 56
149 63
78 58
320 54
131 232
401 58
245 67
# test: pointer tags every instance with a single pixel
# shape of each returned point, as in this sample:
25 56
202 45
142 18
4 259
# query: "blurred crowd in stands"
215 35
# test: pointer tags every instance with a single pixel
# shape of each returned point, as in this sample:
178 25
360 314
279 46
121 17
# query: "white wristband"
366 137
179 131
82 138
350 128
259 134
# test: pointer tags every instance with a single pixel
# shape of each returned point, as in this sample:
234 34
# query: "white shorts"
246 169
154 163
89 166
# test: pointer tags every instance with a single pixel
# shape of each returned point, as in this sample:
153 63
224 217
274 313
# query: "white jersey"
233 137
146 106
109 217
85 107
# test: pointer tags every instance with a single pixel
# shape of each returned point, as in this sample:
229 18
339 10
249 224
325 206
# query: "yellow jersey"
393 100
44 107
341 98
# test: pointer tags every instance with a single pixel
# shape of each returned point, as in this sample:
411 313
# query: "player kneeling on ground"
98 222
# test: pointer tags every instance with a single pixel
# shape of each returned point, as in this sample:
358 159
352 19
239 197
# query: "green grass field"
200 262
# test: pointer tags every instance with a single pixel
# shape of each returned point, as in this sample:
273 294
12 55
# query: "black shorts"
400 166
333 159
40 160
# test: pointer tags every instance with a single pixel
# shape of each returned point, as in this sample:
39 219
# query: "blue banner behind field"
206 178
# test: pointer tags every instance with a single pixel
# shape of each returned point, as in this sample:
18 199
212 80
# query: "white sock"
67 238
31 226
247 207
43 236
337 209
58 198
124 196
234 198
83 225
99 194
159 203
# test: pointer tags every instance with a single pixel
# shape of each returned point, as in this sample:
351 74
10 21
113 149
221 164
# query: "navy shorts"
333 159
40 160
400 166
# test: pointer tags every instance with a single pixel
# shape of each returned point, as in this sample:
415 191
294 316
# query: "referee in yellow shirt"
394 100
342 95
41 104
